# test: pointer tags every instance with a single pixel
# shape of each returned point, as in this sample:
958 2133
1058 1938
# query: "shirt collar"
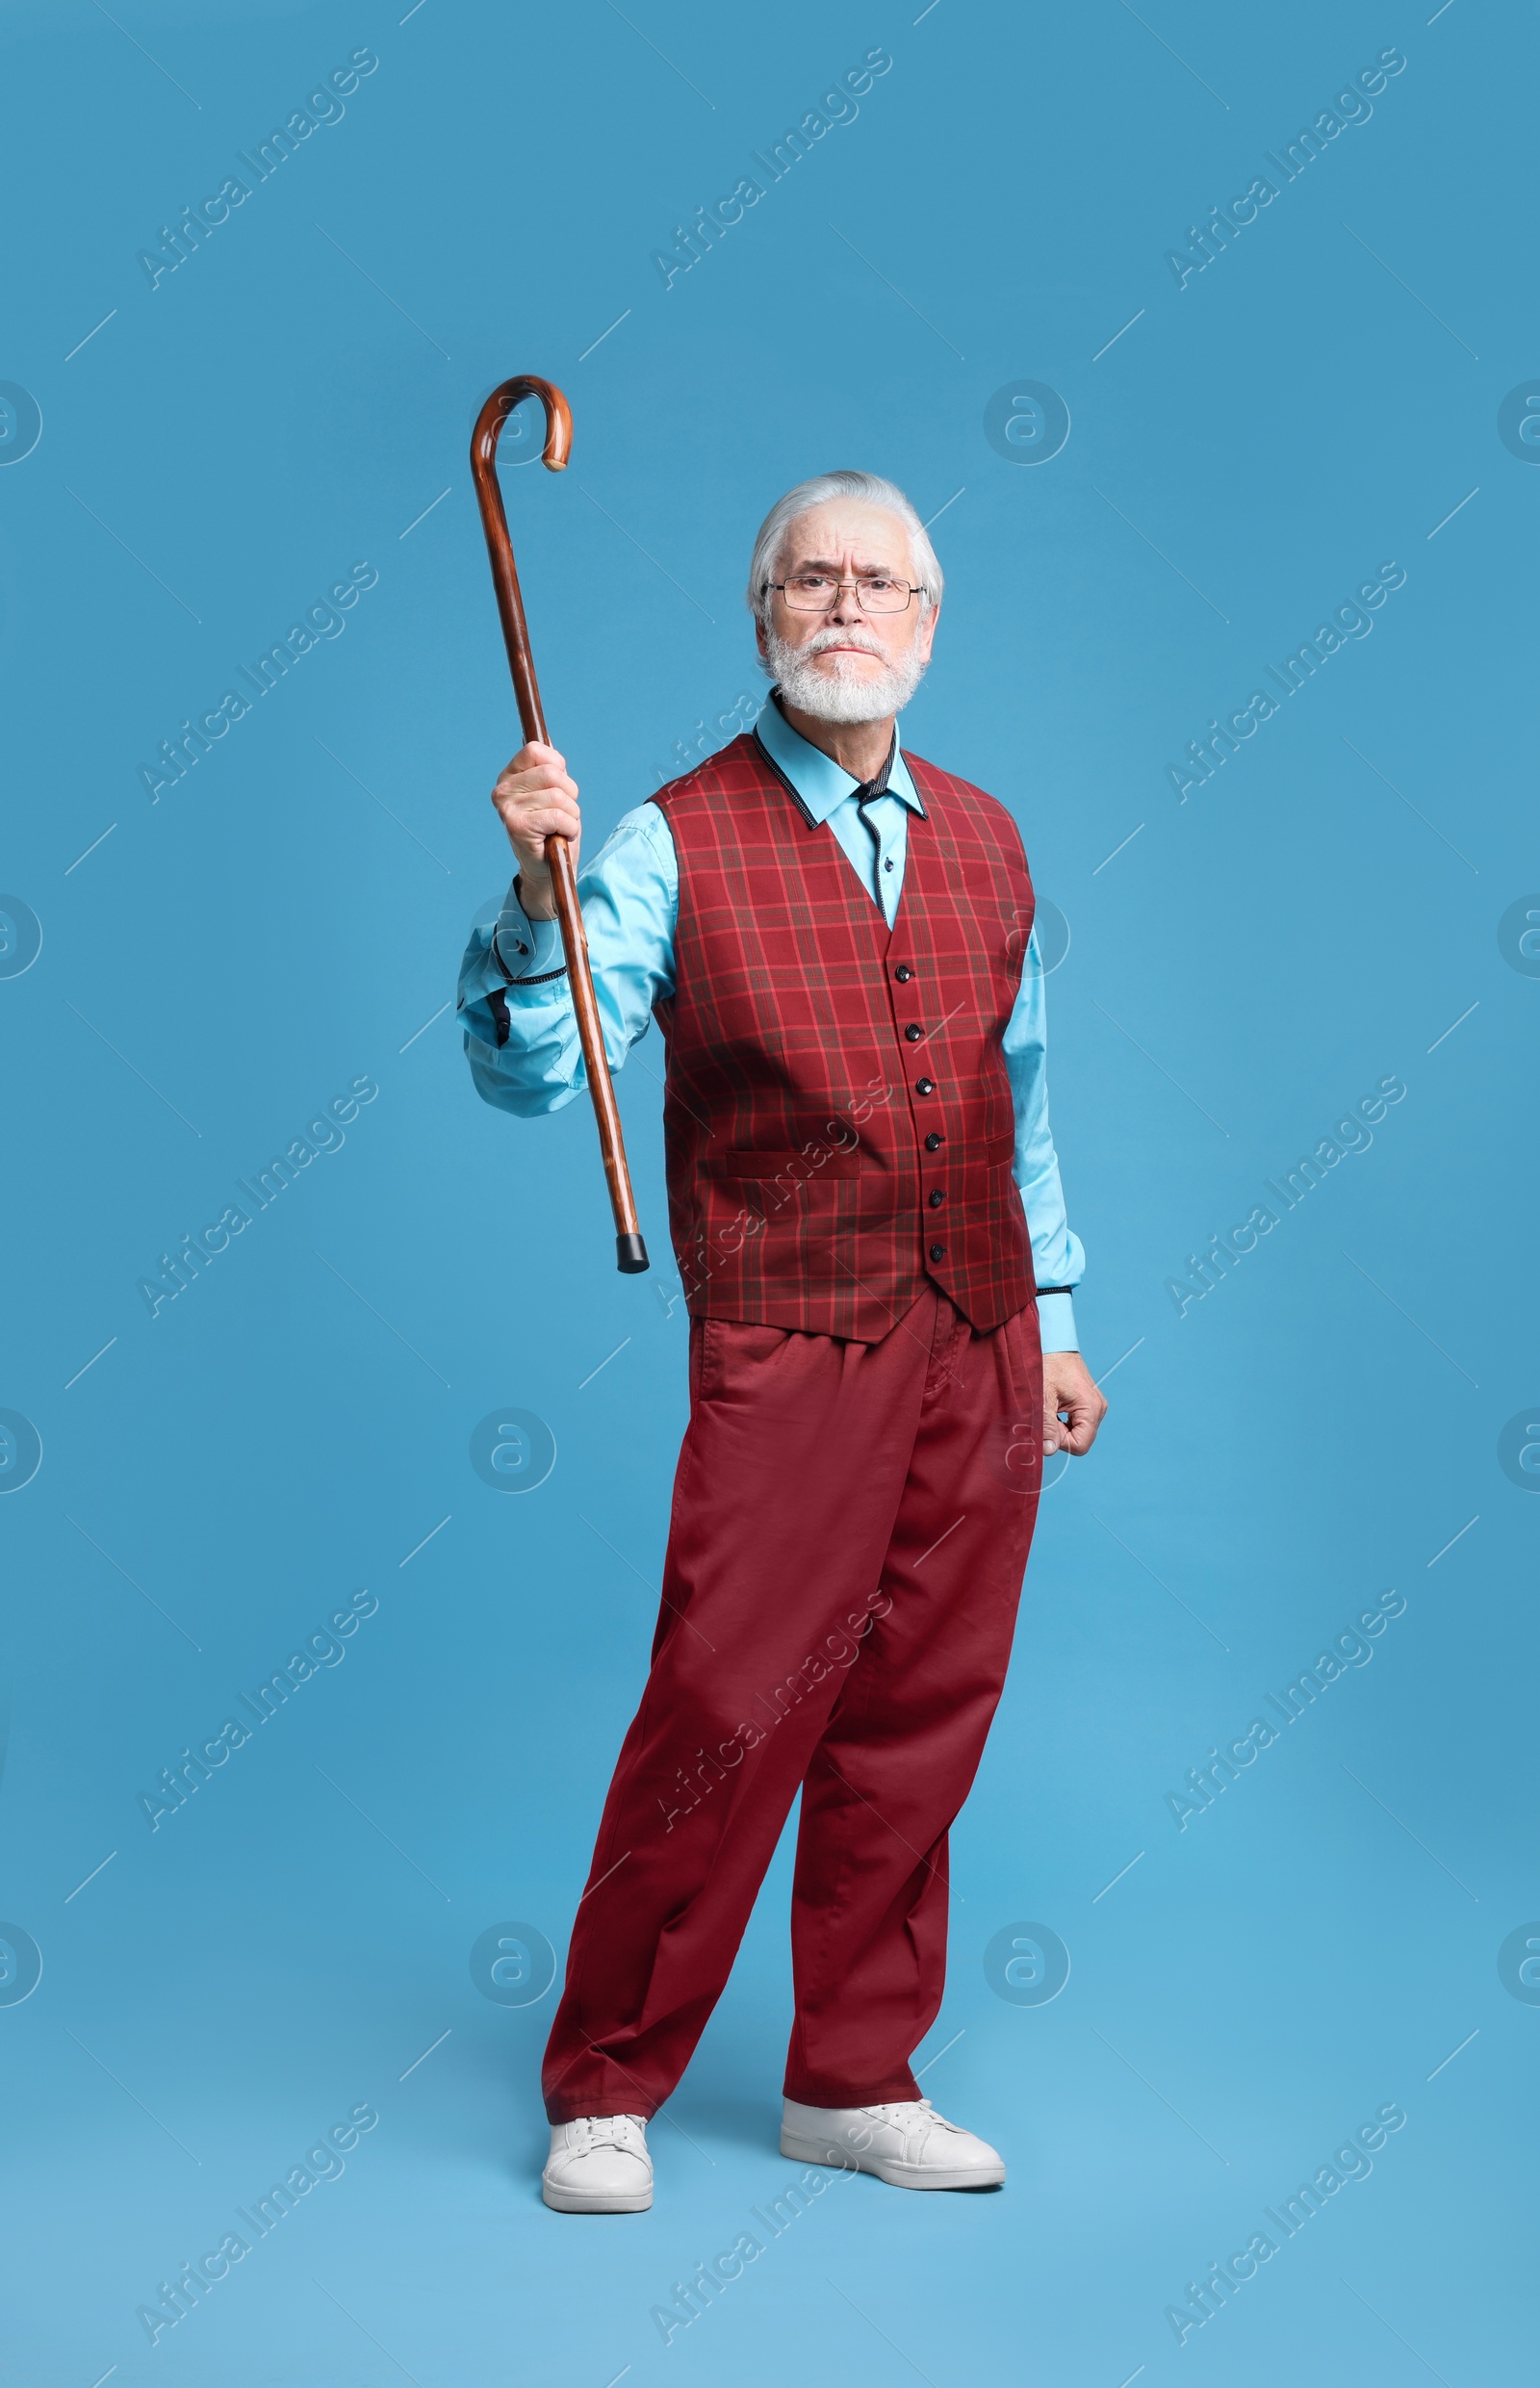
819 781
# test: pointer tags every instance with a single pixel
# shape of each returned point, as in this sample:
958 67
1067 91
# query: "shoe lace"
910 2111
623 2131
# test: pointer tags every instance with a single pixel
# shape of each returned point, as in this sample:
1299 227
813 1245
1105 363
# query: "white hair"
868 489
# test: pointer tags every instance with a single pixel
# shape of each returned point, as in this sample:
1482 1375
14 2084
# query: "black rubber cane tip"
630 1255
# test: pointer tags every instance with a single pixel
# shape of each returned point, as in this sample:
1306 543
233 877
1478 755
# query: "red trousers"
850 1527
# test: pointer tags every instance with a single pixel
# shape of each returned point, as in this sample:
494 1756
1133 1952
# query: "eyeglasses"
816 592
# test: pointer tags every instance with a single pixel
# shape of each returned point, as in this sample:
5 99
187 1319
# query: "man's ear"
759 632
928 631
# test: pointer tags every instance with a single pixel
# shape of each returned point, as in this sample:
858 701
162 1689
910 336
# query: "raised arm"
520 1034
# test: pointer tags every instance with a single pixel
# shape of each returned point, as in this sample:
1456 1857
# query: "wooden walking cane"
630 1252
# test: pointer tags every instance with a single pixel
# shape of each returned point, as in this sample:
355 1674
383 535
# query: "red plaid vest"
837 1116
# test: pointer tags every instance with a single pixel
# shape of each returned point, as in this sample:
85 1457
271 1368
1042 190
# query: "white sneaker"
907 2144
599 2165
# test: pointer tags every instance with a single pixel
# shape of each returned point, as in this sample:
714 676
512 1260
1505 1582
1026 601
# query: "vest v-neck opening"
810 820
865 791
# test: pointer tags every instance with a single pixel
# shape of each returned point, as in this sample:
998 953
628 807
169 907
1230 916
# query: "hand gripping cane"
630 1252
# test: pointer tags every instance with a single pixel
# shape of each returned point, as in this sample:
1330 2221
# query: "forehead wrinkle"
831 564
799 529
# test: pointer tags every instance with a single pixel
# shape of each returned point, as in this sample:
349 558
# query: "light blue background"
287 919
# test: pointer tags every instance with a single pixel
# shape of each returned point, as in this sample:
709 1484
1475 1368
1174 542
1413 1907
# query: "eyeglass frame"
916 588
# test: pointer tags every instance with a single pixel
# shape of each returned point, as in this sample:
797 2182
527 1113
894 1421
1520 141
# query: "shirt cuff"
525 949
1056 1323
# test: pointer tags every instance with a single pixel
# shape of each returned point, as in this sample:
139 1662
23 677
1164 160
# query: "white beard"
845 697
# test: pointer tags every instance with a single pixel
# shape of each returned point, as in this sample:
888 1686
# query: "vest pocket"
814 1161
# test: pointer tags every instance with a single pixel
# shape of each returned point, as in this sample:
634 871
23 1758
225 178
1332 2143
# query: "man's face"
848 541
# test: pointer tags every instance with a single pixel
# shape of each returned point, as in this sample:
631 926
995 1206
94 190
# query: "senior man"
836 940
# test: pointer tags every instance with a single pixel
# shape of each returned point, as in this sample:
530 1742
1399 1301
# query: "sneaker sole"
576 2202
884 2168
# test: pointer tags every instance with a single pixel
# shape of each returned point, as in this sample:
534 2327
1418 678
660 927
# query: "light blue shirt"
631 903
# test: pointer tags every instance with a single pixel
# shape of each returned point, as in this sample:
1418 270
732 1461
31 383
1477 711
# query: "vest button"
936 1198
902 974
938 1252
932 1142
913 1031
925 1085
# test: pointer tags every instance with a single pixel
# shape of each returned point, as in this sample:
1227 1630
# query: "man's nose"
845 609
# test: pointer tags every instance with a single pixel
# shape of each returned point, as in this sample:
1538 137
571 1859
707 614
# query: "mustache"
822 640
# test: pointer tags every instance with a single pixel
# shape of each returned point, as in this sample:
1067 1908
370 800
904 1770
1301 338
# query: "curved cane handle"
494 523
510 393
